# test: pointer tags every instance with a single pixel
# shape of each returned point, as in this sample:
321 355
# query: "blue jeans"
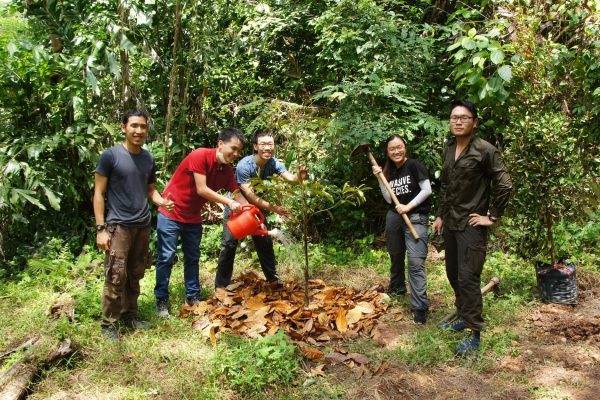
401 244
168 232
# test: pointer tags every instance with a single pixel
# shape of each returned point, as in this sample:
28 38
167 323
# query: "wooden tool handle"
484 290
385 183
493 282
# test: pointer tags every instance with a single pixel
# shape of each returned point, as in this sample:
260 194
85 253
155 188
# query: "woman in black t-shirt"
409 181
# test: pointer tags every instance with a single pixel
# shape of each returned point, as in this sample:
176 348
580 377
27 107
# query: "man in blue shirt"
261 164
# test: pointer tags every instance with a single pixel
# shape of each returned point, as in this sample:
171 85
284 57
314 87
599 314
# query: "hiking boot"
469 345
111 333
275 283
162 308
456 326
420 316
136 323
192 302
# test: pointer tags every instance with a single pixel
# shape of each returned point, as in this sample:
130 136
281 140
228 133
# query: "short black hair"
227 134
135 112
466 104
262 133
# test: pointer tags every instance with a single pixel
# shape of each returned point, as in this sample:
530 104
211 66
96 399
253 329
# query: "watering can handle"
245 207
261 217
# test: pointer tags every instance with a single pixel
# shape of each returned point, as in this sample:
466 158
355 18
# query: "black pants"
264 250
465 256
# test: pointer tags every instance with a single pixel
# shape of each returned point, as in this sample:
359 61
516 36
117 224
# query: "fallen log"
21 346
15 381
18 378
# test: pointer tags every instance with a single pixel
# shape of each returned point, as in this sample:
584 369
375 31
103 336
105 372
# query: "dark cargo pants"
124 266
465 256
264 250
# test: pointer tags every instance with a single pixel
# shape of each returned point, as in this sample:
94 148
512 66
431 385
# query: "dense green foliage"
540 89
325 74
250 367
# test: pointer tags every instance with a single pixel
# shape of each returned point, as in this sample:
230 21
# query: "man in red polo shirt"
197 179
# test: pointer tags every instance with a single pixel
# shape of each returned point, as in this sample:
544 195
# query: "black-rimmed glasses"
463 118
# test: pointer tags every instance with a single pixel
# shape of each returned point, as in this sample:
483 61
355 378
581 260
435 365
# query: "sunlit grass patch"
426 348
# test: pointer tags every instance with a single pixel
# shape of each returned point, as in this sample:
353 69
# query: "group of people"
474 192
125 179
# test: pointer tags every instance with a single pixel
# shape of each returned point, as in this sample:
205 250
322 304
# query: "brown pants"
465 256
124 267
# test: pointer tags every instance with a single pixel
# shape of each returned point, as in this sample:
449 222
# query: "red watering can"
246 222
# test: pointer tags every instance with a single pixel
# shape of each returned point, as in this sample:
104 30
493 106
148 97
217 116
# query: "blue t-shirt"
128 176
247 169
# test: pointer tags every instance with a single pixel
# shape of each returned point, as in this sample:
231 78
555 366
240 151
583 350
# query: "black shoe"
275 283
136 323
111 333
396 291
420 316
469 345
162 308
192 302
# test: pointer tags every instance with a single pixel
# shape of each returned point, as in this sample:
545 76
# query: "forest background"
326 75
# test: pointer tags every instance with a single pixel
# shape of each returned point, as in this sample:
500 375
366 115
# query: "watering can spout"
246 222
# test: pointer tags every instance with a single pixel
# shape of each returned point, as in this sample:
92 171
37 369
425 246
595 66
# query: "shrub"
253 366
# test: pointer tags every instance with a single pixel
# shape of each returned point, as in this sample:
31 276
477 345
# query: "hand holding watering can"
246 222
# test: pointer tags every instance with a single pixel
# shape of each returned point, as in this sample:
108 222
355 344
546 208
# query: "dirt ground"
557 356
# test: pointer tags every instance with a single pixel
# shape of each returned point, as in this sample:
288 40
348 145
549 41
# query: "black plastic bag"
557 283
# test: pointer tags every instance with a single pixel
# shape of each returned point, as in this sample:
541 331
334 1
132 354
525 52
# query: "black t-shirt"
128 178
405 184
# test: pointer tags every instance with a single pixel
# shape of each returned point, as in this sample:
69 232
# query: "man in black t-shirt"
125 179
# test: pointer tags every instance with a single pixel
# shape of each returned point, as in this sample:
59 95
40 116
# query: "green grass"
252 367
173 361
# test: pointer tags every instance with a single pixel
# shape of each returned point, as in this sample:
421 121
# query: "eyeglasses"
463 118
396 148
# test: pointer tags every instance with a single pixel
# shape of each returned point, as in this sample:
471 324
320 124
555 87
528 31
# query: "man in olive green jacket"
475 189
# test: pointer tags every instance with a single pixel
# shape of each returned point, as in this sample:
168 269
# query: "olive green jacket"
477 182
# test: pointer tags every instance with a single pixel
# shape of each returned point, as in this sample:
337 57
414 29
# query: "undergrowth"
173 361
253 366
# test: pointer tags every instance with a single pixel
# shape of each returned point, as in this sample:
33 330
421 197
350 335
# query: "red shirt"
182 186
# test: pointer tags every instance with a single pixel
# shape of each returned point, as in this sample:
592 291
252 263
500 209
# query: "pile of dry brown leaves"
252 307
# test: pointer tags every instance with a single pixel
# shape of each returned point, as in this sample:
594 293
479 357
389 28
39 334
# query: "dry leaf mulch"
251 307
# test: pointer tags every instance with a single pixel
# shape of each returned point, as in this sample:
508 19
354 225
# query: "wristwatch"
493 219
100 227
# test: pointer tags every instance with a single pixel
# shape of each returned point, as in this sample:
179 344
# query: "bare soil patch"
557 351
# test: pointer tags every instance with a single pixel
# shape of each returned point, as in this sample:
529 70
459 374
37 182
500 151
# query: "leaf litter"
252 307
